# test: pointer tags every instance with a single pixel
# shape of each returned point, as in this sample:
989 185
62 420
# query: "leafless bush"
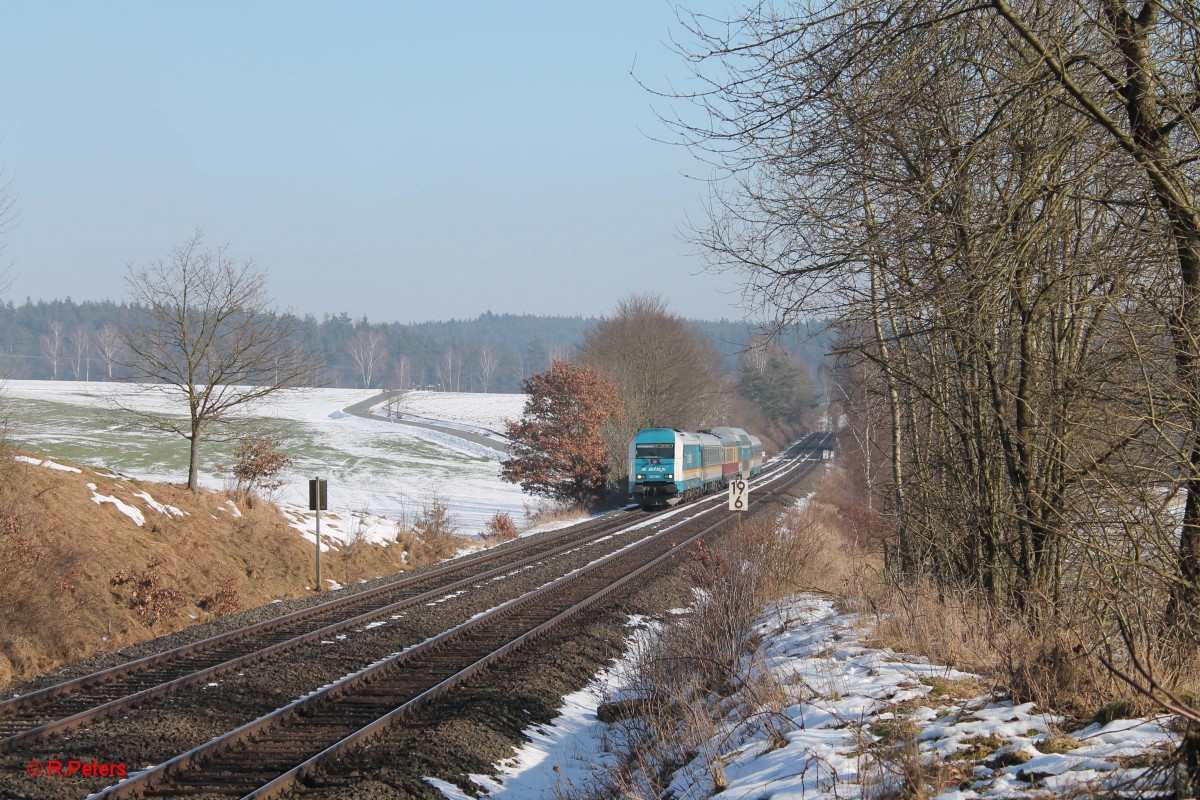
500 528
225 600
696 680
900 771
431 536
145 593
257 466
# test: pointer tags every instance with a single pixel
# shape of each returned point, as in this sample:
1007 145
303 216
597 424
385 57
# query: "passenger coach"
667 465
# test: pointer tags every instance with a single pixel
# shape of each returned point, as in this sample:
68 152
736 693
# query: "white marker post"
318 501
739 495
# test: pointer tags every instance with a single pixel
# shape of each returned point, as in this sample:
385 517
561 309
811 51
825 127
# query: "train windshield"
664 450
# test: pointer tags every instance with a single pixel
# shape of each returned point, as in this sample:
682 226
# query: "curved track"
272 753
61 707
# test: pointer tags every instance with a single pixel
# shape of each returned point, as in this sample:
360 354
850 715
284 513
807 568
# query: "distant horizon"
356 318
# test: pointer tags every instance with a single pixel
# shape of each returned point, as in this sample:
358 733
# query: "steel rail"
252 657
174 767
578 534
314 764
31 701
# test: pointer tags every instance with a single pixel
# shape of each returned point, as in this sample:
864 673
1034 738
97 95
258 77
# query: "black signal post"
318 501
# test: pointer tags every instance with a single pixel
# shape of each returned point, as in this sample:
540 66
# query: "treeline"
65 340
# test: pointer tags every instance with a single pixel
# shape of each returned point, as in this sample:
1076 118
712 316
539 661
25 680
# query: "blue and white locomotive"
667 466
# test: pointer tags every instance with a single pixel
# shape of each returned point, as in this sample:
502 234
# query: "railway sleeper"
332 722
223 791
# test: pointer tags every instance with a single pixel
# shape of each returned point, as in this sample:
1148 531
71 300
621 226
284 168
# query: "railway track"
59 708
270 754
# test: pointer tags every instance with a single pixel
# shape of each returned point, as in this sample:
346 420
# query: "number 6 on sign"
739 495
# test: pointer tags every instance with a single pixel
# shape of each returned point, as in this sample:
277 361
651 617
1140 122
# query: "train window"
665 450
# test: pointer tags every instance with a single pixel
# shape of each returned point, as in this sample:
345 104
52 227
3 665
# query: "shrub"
431 536
226 600
258 464
500 528
145 594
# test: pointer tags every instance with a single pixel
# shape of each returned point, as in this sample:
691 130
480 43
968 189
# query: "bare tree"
403 372
487 365
204 335
666 372
368 351
108 346
1132 76
449 368
81 339
998 202
52 345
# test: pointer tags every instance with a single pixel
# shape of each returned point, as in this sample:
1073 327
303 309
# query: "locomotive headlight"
670 476
641 477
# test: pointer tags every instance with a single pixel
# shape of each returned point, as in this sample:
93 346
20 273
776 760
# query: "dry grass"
78 578
553 512
699 671
898 770
1045 663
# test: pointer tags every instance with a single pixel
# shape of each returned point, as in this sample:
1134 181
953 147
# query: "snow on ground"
486 411
374 467
37 462
843 696
133 513
162 508
341 527
569 750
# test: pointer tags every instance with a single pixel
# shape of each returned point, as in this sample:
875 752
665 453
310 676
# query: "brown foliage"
258 464
145 593
226 600
558 448
500 528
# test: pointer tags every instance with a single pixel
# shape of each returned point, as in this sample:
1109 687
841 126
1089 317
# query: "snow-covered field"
485 412
378 471
843 694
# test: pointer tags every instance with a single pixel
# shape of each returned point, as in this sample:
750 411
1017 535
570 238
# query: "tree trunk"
193 458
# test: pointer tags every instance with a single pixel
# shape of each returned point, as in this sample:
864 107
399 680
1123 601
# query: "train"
668 466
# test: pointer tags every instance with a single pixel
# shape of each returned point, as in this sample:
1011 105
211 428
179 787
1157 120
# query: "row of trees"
998 202
81 341
62 339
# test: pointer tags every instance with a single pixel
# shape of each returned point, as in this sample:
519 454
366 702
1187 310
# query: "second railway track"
60 707
271 754
442 582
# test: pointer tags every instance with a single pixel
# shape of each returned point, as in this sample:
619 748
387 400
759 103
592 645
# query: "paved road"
361 409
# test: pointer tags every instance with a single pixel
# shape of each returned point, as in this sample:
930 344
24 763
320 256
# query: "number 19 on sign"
739 495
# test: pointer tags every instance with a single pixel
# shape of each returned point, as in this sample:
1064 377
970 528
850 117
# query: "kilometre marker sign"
739 495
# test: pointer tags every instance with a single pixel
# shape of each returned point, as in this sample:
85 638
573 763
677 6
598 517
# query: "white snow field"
378 471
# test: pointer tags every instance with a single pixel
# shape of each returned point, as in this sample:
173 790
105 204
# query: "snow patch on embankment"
830 740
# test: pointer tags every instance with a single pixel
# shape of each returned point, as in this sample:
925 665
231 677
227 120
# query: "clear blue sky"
407 161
